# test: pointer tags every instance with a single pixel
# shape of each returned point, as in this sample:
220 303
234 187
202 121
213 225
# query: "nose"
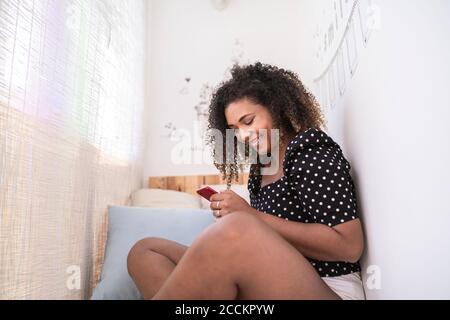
243 135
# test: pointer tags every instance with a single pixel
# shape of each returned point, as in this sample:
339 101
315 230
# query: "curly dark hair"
293 108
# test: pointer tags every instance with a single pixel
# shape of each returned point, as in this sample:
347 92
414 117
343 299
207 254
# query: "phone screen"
206 192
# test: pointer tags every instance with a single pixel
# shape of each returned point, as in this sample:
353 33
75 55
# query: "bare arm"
343 242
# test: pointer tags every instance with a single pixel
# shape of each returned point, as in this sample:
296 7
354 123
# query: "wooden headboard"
190 184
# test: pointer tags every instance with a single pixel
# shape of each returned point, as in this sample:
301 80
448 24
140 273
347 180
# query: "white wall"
191 38
393 125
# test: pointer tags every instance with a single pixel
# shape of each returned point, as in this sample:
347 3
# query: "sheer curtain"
71 137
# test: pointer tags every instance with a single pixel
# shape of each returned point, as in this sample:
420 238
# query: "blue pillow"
128 225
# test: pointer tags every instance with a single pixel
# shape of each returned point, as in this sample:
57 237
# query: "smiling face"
248 119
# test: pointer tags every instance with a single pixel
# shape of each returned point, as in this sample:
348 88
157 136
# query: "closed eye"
249 122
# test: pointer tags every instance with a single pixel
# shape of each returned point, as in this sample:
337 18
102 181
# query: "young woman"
299 238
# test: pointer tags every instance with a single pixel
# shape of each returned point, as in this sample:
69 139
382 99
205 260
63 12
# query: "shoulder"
310 138
313 148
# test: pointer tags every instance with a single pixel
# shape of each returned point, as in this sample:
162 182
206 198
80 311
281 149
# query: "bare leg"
241 257
151 261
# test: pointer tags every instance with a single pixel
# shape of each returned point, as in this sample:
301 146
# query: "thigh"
173 250
268 266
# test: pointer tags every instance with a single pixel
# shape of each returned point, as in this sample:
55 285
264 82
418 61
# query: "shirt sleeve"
320 175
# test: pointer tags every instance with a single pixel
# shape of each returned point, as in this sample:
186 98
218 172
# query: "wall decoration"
332 86
180 135
201 108
220 5
352 48
341 71
185 89
238 54
337 46
366 12
173 133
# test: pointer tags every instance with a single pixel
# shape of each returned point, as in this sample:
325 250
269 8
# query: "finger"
223 204
221 196
215 205
217 197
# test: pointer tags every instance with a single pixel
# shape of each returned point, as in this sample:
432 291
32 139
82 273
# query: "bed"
190 184
168 208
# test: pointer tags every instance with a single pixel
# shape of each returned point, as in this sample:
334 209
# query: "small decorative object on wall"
220 5
181 135
338 45
367 12
173 132
341 72
185 89
202 107
238 55
238 51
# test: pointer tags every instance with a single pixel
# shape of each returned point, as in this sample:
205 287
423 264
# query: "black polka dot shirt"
316 187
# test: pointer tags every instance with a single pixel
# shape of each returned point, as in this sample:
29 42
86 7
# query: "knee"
139 249
237 224
230 229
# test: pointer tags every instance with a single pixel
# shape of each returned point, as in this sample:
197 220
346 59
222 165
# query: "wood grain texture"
190 184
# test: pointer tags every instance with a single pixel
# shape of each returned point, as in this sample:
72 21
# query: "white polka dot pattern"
316 188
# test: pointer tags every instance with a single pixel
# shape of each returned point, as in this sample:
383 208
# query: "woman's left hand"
226 202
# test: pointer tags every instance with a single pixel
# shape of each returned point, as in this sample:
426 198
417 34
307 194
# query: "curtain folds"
72 107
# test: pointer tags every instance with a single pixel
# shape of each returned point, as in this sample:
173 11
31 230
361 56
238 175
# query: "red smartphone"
206 192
